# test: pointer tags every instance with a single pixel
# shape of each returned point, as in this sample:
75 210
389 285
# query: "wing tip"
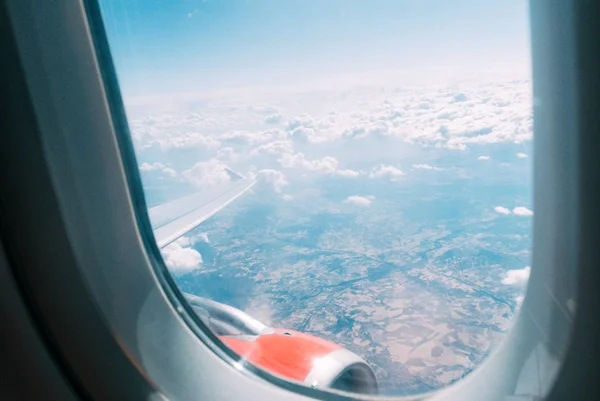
233 175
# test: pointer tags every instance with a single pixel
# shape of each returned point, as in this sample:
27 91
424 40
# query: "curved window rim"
133 186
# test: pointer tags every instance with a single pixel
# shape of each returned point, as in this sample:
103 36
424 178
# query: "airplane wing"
173 219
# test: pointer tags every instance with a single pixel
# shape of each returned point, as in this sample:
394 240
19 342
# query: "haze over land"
392 142
394 220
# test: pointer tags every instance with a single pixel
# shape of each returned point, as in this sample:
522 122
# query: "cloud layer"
389 172
180 259
522 211
358 200
502 210
517 277
517 211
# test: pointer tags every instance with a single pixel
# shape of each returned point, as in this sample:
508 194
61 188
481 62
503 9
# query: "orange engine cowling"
297 356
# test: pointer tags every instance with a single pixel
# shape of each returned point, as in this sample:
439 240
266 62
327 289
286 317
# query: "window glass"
391 145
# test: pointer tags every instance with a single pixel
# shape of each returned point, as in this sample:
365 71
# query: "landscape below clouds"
393 219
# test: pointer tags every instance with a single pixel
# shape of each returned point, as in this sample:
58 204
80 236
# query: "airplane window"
342 190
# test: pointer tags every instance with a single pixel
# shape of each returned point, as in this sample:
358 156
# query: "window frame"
95 222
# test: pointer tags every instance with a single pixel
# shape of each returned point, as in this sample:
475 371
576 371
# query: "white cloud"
519 300
158 166
303 134
497 111
328 164
426 167
517 277
170 171
181 260
187 140
389 172
302 128
303 120
200 237
497 135
151 167
256 137
263 109
207 174
502 210
175 131
483 158
272 134
228 154
274 179
183 241
522 155
460 97
273 119
308 129
348 173
369 128
522 211
274 148
359 200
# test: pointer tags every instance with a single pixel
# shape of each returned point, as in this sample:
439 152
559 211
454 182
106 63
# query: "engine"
296 356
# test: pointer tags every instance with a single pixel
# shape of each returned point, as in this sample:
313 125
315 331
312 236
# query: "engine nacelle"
297 356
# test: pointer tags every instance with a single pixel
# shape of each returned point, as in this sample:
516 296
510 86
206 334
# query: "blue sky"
170 46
